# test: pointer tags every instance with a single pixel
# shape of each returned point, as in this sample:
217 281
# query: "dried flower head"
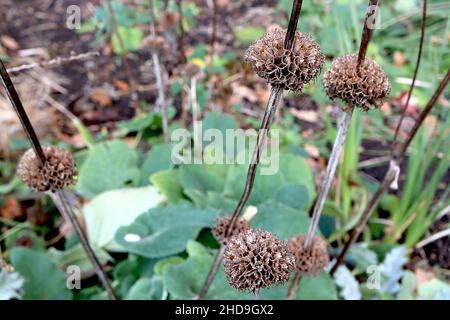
256 259
222 223
362 89
313 262
288 69
58 172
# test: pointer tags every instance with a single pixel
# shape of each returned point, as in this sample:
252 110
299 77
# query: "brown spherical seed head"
313 262
58 172
288 69
222 223
256 259
364 88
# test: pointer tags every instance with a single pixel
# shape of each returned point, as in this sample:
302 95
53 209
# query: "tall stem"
416 70
274 100
293 287
66 210
28 128
21 113
367 32
159 78
181 37
389 177
329 175
275 96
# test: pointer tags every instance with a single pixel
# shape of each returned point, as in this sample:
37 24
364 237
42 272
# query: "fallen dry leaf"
312 150
423 276
121 85
101 97
11 209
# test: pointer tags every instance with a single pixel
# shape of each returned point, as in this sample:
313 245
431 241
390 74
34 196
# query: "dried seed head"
362 89
288 69
58 172
310 263
222 223
256 259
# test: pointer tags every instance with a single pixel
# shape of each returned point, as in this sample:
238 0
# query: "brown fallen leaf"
121 85
423 276
11 209
101 97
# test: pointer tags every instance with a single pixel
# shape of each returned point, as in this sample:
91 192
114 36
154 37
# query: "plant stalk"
28 128
66 210
183 58
374 201
293 287
159 78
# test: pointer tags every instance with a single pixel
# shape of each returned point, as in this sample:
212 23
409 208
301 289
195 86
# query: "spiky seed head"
312 262
362 89
222 223
256 259
58 172
288 69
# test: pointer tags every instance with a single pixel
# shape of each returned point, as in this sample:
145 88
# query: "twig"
54 62
159 78
28 128
66 210
181 37
293 287
374 201
335 153
416 70
274 99
434 237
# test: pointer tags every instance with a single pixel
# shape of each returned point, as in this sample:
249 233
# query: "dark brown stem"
389 177
367 32
274 100
21 113
416 70
293 22
292 291
69 215
123 55
181 37
340 138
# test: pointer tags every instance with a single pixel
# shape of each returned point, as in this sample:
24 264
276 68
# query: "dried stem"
54 62
21 113
159 78
329 175
28 128
367 32
293 287
274 99
337 147
411 88
390 175
181 37
65 208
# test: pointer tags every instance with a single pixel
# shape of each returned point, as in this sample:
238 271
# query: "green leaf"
131 39
168 182
164 231
185 280
109 165
281 220
159 158
203 177
109 211
147 289
43 279
293 195
246 35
